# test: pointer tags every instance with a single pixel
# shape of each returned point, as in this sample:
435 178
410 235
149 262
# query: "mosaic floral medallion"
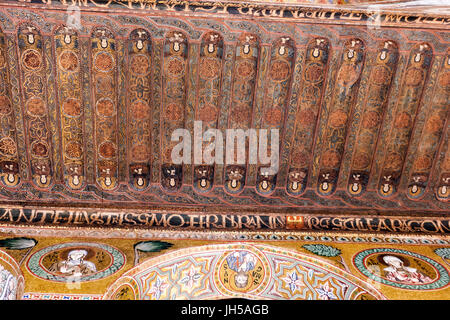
75 262
208 113
105 107
414 76
31 59
107 150
307 116
371 119
74 150
314 73
209 68
338 119
274 116
380 74
175 67
68 61
36 107
330 159
245 69
242 271
241 114
39 149
8 147
279 70
140 64
401 269
104 62
140 110
72 107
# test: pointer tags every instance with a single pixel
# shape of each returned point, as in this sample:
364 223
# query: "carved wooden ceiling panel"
87 113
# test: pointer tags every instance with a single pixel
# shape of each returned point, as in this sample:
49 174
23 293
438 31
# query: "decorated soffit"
90 96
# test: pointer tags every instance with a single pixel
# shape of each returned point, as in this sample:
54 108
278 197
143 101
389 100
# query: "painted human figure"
75 265
8 285
397 271
242 262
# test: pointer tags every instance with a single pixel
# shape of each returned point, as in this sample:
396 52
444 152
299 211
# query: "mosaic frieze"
90 264
241 271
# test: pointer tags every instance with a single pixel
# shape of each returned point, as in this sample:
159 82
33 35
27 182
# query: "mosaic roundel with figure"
78 262
401 269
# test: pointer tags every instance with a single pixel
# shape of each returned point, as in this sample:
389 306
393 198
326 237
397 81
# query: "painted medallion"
242 271
75 261
401 269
